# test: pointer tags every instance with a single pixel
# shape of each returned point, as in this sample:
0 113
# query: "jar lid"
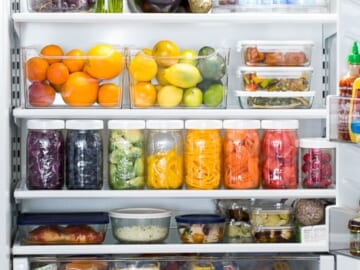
142 213
165 124
203 124
280 124
45 124
126 124
241 124
354 224
316 143
84 124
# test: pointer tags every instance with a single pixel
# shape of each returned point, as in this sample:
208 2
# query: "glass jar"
84 154
126 154
203 154
317 157
354 243
280 151
241 154
164 154
45 154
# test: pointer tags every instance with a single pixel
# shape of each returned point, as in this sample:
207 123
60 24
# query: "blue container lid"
200 218
63 218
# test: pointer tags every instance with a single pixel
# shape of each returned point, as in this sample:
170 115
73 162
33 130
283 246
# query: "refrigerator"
331 32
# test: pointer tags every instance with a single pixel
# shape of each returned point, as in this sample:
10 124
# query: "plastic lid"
84 124
354 56
62 218
203 124
316 143
126 124
280 124
241 124
45 124
355 126
165 124
271 208
142 213
200 218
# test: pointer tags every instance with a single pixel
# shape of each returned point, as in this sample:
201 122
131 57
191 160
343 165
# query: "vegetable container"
281 234
126 154
59 77
275 53
276 78
164 154
140 225
45 154
203 154
239 230
317 157
271 215
178 77
62 228
60 5
200 228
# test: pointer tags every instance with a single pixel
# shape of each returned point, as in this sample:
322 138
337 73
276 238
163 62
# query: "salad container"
271 215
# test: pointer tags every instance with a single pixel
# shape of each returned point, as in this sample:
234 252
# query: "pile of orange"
82 79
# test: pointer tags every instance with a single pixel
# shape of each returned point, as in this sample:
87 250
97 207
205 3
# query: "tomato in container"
241 154
280 151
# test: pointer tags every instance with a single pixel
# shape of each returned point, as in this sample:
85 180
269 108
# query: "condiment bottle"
280 152
84 154
354 113
45 154
354 229
126 154
164 154
203 154
241 154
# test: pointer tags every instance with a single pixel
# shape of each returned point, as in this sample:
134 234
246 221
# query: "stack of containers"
275 75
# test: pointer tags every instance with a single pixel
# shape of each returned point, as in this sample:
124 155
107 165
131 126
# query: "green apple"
188 56
193 97
214 95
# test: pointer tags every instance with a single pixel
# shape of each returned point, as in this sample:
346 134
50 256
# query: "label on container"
310 234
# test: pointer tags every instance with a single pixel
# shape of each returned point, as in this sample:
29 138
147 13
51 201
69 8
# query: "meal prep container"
62 228
281 234
238 229
200 228
271 215
140 225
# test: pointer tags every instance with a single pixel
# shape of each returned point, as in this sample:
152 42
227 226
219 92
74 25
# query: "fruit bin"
79 78
191 79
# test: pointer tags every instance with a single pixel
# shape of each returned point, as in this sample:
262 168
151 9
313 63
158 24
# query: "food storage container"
154 6
203 154
271 215
84 154
60 5
136 265
200 228
317 157
126 154
140 225
280 154
280 234
354 240
62 228
239 230
178 77
241 154
236 210
164 154
55 76
275 78
275 100
275 53
45 154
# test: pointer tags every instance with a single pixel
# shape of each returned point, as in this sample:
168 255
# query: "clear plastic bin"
281 234
271 215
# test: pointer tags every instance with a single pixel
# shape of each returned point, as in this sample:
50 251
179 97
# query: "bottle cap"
354 57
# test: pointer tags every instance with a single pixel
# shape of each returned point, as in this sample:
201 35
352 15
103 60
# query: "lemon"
169 96
143 67
160 76
183 75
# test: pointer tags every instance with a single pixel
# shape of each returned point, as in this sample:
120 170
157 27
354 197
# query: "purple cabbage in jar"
45 159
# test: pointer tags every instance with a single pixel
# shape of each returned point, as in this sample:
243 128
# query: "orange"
41 94
57 73
109 95
52 53
105 62
143 67
74 60
36 68
80 90
166 53
143 94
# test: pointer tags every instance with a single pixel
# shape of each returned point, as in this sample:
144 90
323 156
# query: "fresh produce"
41 94
188 56
200 6
192 97
183 75
169 96
108 6
214 95
212 64
61 6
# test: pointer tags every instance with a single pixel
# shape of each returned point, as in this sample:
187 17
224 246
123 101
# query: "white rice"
141 233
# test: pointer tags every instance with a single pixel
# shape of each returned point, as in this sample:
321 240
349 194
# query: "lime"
205 84
188 56
214 95
193 97
211 64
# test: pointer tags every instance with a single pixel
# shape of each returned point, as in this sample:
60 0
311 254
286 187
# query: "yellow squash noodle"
203 150
165 170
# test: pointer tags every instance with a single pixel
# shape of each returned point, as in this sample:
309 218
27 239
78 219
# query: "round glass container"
45 154
84 154
203 154
164 154
354 243
317 157
280 154
241 154
126 154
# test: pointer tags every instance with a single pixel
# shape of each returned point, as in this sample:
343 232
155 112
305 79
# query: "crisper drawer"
187 262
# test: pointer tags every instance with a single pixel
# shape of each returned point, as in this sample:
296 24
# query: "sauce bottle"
354 113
